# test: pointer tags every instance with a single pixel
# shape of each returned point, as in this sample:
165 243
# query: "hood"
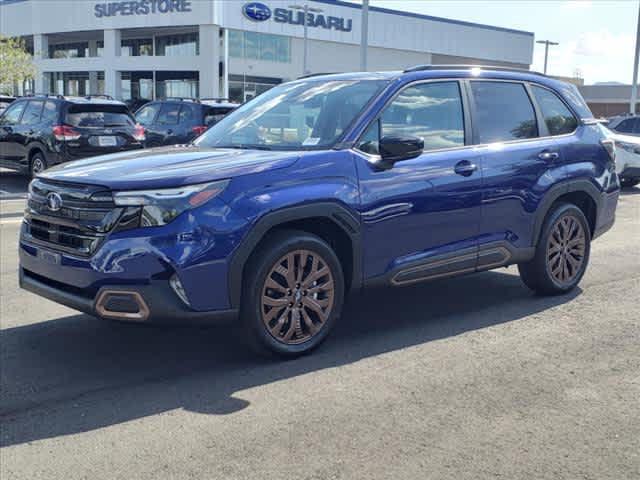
167 167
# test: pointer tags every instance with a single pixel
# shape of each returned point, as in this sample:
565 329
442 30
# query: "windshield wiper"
244 146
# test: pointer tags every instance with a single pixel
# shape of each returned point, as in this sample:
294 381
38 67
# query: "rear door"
9 134
103 129
146 116
163 131
28 129
520 161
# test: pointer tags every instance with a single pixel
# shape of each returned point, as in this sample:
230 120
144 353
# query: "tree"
16 64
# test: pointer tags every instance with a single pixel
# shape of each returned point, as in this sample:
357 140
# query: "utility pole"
634 85
364 39
305 9
546 51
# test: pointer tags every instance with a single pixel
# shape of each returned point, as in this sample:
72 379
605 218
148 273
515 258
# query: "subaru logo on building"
54 201
256 11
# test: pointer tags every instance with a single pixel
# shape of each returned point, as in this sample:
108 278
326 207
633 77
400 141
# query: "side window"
503 112
214 115
186 114
147 114
31 115
431 111
169 114
50 113
557 116
625 126
12 114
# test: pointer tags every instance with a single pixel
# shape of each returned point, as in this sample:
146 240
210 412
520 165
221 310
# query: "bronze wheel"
297 297
566 249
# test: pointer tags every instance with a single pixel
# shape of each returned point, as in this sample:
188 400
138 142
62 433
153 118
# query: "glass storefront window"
75 83
259 46
136 47
178 45
69 50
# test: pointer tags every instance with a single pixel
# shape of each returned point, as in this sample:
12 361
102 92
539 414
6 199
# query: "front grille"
78 225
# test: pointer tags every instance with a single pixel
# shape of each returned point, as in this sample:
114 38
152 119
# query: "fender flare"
36 146
578 185
332 211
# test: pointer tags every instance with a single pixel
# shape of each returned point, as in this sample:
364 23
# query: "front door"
421 217
11 149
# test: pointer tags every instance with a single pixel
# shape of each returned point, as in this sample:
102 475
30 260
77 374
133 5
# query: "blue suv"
327 185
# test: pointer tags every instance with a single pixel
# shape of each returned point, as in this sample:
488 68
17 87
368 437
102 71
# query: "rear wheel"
37 164
293 294
562 253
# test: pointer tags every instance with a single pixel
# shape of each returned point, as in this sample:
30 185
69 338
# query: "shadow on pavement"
13 184
78 374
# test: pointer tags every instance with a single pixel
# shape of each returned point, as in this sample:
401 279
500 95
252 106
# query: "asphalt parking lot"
473 377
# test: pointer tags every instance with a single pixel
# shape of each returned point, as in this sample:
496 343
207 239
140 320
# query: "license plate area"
46 256
107 141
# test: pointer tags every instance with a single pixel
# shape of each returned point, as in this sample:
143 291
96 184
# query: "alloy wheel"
37 166
566 249
297 297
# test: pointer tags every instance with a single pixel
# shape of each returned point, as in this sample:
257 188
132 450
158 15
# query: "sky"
596 37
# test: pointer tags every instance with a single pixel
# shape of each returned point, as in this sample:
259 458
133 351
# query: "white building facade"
233 48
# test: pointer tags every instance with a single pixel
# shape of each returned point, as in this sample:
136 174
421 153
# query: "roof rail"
309 75
182 99
97 95
215 99
47 95
419 68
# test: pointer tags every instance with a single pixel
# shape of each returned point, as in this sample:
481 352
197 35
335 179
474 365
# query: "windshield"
294 116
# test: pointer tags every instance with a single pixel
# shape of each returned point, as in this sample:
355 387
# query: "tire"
629 182
279 318
37 164
561 257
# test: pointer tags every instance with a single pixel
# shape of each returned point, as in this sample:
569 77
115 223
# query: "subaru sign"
256 11
259 12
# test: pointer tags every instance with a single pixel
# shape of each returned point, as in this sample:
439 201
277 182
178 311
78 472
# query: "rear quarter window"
98 116
557 117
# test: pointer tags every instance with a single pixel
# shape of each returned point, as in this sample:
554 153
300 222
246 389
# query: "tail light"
65 133
610 146
199 130
139 133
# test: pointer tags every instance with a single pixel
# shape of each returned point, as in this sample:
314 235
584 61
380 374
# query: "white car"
627 157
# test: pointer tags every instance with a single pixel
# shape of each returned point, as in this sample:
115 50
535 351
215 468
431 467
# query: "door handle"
548 156
465 168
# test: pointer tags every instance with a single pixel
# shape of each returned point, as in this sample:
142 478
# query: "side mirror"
394 148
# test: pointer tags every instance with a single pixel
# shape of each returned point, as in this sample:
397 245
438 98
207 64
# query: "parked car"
40 131
625 124
327 185
180 120
627 156
5 101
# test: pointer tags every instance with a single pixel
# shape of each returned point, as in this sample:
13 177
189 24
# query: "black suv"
180 120
43 130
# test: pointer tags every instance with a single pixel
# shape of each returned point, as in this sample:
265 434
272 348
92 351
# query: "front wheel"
562 253
293 294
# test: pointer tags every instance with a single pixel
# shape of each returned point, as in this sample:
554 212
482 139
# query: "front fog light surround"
175 283
160 207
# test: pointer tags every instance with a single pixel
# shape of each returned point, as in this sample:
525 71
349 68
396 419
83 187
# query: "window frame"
13 104
39 120
155 116
467 123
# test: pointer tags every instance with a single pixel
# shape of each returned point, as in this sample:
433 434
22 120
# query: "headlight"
160 207
629 147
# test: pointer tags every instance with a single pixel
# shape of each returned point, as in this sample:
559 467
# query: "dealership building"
232 48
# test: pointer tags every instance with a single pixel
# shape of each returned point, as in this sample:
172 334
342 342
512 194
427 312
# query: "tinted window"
625 126
187 114
31 115
503 112
50 113
431 111
214 115
98 116
556 115
12 114
146 114
169 114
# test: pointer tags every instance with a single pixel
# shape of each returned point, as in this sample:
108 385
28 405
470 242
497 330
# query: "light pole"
634 85
364 39
306 9
546 51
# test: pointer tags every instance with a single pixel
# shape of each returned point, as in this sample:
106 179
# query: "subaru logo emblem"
256 11
54 201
